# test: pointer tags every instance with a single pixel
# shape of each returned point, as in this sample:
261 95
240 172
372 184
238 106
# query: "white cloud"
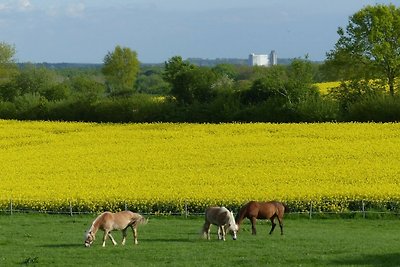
16 6
25 5
76 10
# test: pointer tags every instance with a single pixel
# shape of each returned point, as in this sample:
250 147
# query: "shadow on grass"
75 245
391 259
168 240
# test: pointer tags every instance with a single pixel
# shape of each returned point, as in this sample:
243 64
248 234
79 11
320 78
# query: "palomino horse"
221 217
262 210
108 221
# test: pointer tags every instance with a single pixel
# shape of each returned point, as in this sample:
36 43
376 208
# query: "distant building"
263 60
258 60
273 58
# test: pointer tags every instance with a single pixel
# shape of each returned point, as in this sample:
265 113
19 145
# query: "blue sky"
83 31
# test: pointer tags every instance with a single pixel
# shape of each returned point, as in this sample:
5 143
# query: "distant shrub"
114 110
31 106
375 108
7 110
317 109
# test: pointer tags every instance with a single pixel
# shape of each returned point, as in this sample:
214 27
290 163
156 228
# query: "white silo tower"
273 58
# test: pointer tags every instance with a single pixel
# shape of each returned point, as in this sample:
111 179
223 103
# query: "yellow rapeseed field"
163 167
326 86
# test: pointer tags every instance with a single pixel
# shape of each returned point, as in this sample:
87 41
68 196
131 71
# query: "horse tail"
287 209
140 220
143 220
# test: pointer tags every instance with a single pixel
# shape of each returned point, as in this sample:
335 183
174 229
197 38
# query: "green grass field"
57 240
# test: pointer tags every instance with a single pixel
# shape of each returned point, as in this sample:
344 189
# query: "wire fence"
186 212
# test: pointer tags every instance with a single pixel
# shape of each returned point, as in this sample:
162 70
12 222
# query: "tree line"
365 59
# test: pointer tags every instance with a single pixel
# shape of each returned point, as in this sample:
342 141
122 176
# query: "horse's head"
232 226
89 239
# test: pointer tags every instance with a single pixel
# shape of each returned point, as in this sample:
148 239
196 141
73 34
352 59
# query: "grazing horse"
221 217
108 221
262 210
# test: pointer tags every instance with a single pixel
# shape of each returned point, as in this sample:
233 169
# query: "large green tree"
370 45
121 68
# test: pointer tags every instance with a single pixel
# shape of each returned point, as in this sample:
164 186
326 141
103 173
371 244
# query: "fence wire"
363 212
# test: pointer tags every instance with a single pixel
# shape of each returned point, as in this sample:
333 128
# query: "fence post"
70 208
310 209
363 209
126 207
186 209
11 206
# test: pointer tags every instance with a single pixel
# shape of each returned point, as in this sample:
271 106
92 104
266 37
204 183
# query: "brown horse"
221 217
108 221
262 210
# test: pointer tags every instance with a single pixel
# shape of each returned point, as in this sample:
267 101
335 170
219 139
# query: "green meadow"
57 240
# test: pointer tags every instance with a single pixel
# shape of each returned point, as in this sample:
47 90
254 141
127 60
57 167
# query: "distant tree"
120 69
7 63
176 75
300 80
86 89
7 53
224 84
195 85
152 84
370 45
174 67
228 70
31 80
272 84
287 85
56 92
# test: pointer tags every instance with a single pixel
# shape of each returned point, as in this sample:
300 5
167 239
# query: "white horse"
221 217
108 221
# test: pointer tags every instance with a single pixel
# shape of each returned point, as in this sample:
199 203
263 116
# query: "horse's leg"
104 238
134 230
123 236
273 224
112 238
280 220
206 230
221 232
253 225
